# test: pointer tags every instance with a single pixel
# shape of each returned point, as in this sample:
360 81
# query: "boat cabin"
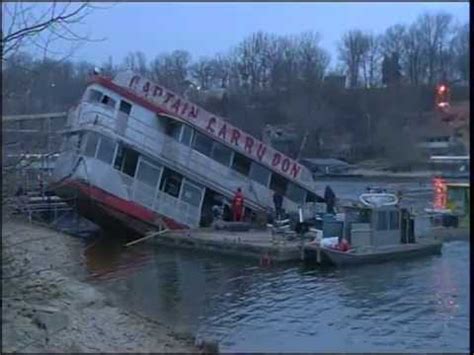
376 226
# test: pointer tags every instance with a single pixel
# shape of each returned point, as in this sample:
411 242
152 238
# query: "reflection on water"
419 305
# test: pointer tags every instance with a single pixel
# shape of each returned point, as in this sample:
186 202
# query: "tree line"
276 79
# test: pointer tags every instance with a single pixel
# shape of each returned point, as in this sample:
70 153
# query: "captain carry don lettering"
214 125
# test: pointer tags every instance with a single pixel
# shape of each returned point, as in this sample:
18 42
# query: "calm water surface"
418 305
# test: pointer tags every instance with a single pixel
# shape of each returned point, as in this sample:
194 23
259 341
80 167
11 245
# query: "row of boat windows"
236 161
218 152
135 165
96 96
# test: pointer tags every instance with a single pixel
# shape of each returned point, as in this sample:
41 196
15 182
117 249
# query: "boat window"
202 143
94 96
241 164
171 182
295 193
148 174
364 216
382 220
91 144
221 153
394 220
259 173
125 107
106 150
187 135
278 183
126 160
108 101
191 194
173 128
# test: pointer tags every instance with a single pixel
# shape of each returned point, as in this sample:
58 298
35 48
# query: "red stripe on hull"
128 212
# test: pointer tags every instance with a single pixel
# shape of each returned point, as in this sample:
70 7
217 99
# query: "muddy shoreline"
47 307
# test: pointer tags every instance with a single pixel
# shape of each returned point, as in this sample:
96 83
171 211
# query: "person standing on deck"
238 205
278 202
330 198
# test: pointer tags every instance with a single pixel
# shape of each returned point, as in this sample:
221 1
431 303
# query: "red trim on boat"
129 208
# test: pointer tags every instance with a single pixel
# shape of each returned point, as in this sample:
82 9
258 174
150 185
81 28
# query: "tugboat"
372 231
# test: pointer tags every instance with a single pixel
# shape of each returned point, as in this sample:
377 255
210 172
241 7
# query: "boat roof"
162 101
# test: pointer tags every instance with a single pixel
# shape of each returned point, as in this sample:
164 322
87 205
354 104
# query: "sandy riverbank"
47 308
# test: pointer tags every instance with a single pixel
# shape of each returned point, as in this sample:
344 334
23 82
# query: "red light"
442 88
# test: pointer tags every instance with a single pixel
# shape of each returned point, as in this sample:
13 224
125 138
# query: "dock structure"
30 145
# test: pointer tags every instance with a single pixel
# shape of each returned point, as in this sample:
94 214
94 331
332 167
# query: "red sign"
215 126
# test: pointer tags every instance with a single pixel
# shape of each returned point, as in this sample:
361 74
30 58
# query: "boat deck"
255 244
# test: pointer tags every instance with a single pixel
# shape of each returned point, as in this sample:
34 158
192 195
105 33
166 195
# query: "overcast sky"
204 29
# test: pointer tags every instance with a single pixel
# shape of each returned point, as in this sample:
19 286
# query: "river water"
413 305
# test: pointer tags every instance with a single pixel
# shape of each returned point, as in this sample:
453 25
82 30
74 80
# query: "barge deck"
257 244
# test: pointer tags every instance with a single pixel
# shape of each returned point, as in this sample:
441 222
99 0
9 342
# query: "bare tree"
435 32
172 70
392 41
202 73
136 61
38 26
371 61
414 61
352 49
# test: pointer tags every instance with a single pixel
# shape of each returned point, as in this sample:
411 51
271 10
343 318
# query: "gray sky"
204 29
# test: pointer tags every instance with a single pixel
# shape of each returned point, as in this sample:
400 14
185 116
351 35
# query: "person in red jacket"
238 205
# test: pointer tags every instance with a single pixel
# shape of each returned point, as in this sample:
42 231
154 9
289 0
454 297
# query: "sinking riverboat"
375 232
138 156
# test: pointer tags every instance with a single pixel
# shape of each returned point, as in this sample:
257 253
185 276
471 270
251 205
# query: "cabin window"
173 128
187 135
91 144
202 143
394 220
295 193
241 164
221 153
278 183
106 150
108 101
126 160
125 107
191 194
171 182
259 173
382 220
147 173
94 96
364 216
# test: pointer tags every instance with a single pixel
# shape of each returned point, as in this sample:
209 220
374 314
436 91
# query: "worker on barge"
238 206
